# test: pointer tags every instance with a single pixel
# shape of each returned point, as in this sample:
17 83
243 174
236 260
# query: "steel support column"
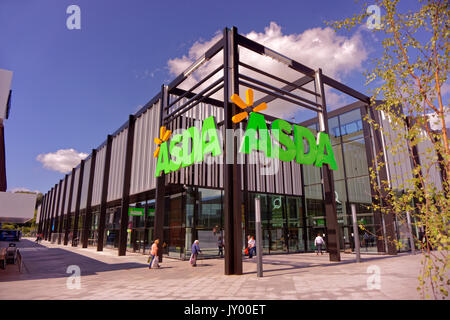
42 214
56 223
88 217
61 221
126 187
104 196
3 184
52 212
75 239
49 212
232 178
69 208
44 217
160 184
328 181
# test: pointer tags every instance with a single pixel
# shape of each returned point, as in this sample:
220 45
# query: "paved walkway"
104 275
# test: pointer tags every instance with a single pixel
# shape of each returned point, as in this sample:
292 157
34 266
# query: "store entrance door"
137 240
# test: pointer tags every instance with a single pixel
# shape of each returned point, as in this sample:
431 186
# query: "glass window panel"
359 190
335 133
340 197
351 125
339 173
294 211
312 174
315 211
276 204
355 158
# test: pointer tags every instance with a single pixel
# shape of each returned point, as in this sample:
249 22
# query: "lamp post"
356 234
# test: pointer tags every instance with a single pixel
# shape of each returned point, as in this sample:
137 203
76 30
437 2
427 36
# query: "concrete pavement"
104 276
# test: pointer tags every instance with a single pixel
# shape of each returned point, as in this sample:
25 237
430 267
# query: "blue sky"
73 87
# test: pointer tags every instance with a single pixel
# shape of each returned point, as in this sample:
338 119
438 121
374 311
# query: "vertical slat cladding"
143 164
38 216
74 194
60 209
98 176
84 188
66 201
117 166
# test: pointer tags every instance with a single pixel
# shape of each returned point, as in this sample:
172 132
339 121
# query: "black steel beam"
289 86
75 239
345 89
52 214
158 226
281 91
295 85
104 196
126 187
88 217
328 183
69 209
211 52
259 48
61 221
277 95
232 172
3 183
190 103
57 218
49 214
42 213
190 91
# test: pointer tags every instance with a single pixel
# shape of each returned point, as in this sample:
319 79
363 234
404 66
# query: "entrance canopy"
231 80
16 207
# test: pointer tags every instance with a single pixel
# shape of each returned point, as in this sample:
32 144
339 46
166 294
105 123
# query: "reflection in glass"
355 158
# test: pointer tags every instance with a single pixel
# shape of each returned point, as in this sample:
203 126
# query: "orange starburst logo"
246 106
164 135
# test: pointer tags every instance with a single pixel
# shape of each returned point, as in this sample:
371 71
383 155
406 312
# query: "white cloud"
337 55
62 160
22 189
436 122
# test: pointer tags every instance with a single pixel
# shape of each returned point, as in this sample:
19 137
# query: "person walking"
220 246
251 246
195 251
319 242
154 254
366 241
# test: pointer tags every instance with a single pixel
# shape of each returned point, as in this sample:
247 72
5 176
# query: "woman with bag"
154 254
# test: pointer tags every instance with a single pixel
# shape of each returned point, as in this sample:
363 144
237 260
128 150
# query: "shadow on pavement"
303 265
45 263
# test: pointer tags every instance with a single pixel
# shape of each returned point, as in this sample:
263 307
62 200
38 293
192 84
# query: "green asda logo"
193 145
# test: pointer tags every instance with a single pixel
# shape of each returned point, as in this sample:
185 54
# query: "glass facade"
351 184
282 220
112 226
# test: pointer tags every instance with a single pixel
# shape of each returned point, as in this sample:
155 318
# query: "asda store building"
190 163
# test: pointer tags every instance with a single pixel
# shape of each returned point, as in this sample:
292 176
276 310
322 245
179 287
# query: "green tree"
411 73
